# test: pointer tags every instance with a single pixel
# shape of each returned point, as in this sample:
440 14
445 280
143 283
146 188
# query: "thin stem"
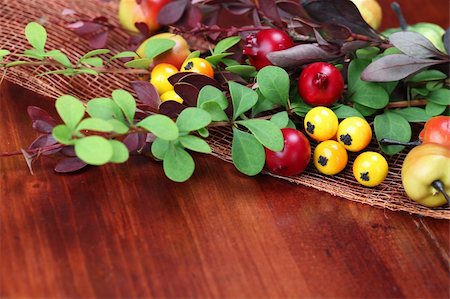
439 186
38 150
410 103
387 141
398 12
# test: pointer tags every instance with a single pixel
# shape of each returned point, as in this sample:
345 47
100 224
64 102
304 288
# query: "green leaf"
428 75
243 98
95 124
392 126
104 108
413 114
344 111
215 59
226 44
192 119
369 94
94 150
203 132
141 63
95 53
161 126
68 72
419 91
195 143
434 85
440 96
230 62
59 57
243 70
433 109
118 126
262 104
126 102
291 125
92 61
3 53
266 132
36 35
281 119
212 94
62 134
216 112
33 53
365 111
194 54
156 46
86 71
367 53
70 109
160 148
273 83
120 152
178 164
125 54
301 108
15 63
247 153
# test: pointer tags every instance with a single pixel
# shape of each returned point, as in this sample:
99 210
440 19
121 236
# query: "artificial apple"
264 42
320 84
143 11
295 156
426 175
175 56
371 12
437 130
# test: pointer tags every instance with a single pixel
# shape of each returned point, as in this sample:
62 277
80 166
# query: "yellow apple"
132 12
371 12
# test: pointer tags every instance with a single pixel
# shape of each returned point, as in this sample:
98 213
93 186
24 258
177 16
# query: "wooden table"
127 231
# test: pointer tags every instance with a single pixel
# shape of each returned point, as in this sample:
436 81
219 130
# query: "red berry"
263 43
320 84
295 156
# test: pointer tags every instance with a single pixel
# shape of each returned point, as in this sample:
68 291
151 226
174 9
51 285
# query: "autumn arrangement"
307 91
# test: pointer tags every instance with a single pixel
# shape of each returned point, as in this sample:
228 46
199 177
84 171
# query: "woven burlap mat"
14 15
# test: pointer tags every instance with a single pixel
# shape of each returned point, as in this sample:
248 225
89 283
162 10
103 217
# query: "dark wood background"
126 231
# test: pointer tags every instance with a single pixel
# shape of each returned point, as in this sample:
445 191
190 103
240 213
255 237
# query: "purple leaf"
395 67
36 113
414 44
146 93
192 18
42 142
171 108
135 141
95 31
28 159
239 8
69 165
299 55
342 12
175 78
42 126
199 80
188 92
68 151
270 10
293 8
172 12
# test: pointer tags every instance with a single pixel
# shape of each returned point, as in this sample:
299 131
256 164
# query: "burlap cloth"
15 14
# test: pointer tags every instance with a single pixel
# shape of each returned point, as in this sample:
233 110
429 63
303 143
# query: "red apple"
295 156
176 56
143 11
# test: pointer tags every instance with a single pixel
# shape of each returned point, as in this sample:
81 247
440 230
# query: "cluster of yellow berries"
335 139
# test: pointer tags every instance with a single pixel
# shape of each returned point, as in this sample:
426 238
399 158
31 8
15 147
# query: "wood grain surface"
126 231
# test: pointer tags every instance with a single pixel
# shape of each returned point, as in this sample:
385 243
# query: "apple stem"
439 186
398 11
387 141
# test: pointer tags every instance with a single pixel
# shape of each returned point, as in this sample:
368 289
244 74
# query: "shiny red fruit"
264 42
320 84
295 156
